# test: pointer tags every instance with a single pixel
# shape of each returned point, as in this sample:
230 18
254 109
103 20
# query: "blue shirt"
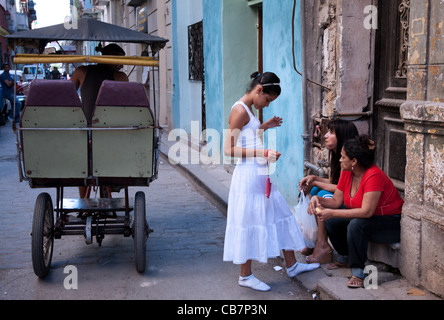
6 76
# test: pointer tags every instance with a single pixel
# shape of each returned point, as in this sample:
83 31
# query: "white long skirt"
258 227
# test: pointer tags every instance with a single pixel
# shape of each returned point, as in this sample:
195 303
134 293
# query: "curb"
215 191
328 285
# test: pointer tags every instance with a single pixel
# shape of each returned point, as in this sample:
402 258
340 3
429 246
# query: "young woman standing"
258 227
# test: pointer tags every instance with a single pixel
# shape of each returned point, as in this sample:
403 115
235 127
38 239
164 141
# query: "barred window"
195 52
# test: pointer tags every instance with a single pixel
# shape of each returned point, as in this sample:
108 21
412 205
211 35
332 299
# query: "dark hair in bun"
268 80
362 149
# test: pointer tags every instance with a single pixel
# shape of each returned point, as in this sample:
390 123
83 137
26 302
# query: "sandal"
355 282
321 259
337 265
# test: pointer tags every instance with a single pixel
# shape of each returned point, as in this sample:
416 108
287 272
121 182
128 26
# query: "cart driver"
89 79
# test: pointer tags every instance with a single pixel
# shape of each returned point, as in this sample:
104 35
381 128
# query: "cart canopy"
84 29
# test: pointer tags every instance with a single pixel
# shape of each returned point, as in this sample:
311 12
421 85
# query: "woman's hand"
315 207
272 123
313 204
272 155
323 213
306 184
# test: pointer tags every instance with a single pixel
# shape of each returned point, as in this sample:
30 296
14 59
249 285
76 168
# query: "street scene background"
184 253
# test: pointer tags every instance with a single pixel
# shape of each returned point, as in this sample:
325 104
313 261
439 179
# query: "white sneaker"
253 283
299 268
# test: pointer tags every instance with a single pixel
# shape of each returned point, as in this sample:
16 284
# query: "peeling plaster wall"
347 56
422 224
426 52
340 56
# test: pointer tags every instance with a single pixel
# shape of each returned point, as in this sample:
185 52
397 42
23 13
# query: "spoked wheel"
42 235
140 231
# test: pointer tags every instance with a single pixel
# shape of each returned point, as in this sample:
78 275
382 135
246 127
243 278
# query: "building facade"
376 63
15 16
153 17
241 37
381 63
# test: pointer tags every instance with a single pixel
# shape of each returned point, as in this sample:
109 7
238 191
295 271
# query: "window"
195 52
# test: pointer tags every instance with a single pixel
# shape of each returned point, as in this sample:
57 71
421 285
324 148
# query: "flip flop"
355 282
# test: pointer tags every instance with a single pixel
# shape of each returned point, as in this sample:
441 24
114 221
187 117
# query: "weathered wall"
426 52
422 232
340 56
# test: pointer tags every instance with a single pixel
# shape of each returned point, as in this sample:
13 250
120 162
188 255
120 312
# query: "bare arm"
307 183
329 208
237 120
271 123
79 76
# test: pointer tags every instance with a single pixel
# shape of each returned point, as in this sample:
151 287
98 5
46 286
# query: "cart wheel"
42 235
139 231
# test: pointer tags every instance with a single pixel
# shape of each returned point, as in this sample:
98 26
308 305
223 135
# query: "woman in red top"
373 208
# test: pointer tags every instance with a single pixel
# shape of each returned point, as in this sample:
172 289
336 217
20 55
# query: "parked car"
33 71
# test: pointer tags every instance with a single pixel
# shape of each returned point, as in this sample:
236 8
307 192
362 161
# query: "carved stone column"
422 232
422 224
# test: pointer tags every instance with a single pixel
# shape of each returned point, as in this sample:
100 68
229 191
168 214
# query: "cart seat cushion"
53 93
122 94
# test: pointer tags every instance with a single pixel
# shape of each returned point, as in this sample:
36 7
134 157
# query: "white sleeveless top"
250 136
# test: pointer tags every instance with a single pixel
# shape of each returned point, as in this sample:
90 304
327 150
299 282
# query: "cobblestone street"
184 254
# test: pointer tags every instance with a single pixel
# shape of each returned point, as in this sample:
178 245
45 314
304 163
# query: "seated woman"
373 208
338 132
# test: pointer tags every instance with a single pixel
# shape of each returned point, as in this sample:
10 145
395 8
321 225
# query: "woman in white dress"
258 227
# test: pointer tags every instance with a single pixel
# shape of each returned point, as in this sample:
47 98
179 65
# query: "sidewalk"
214 181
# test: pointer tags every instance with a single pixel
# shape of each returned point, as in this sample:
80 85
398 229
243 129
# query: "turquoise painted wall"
239 50
230 50
278 58
187 95
212 30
